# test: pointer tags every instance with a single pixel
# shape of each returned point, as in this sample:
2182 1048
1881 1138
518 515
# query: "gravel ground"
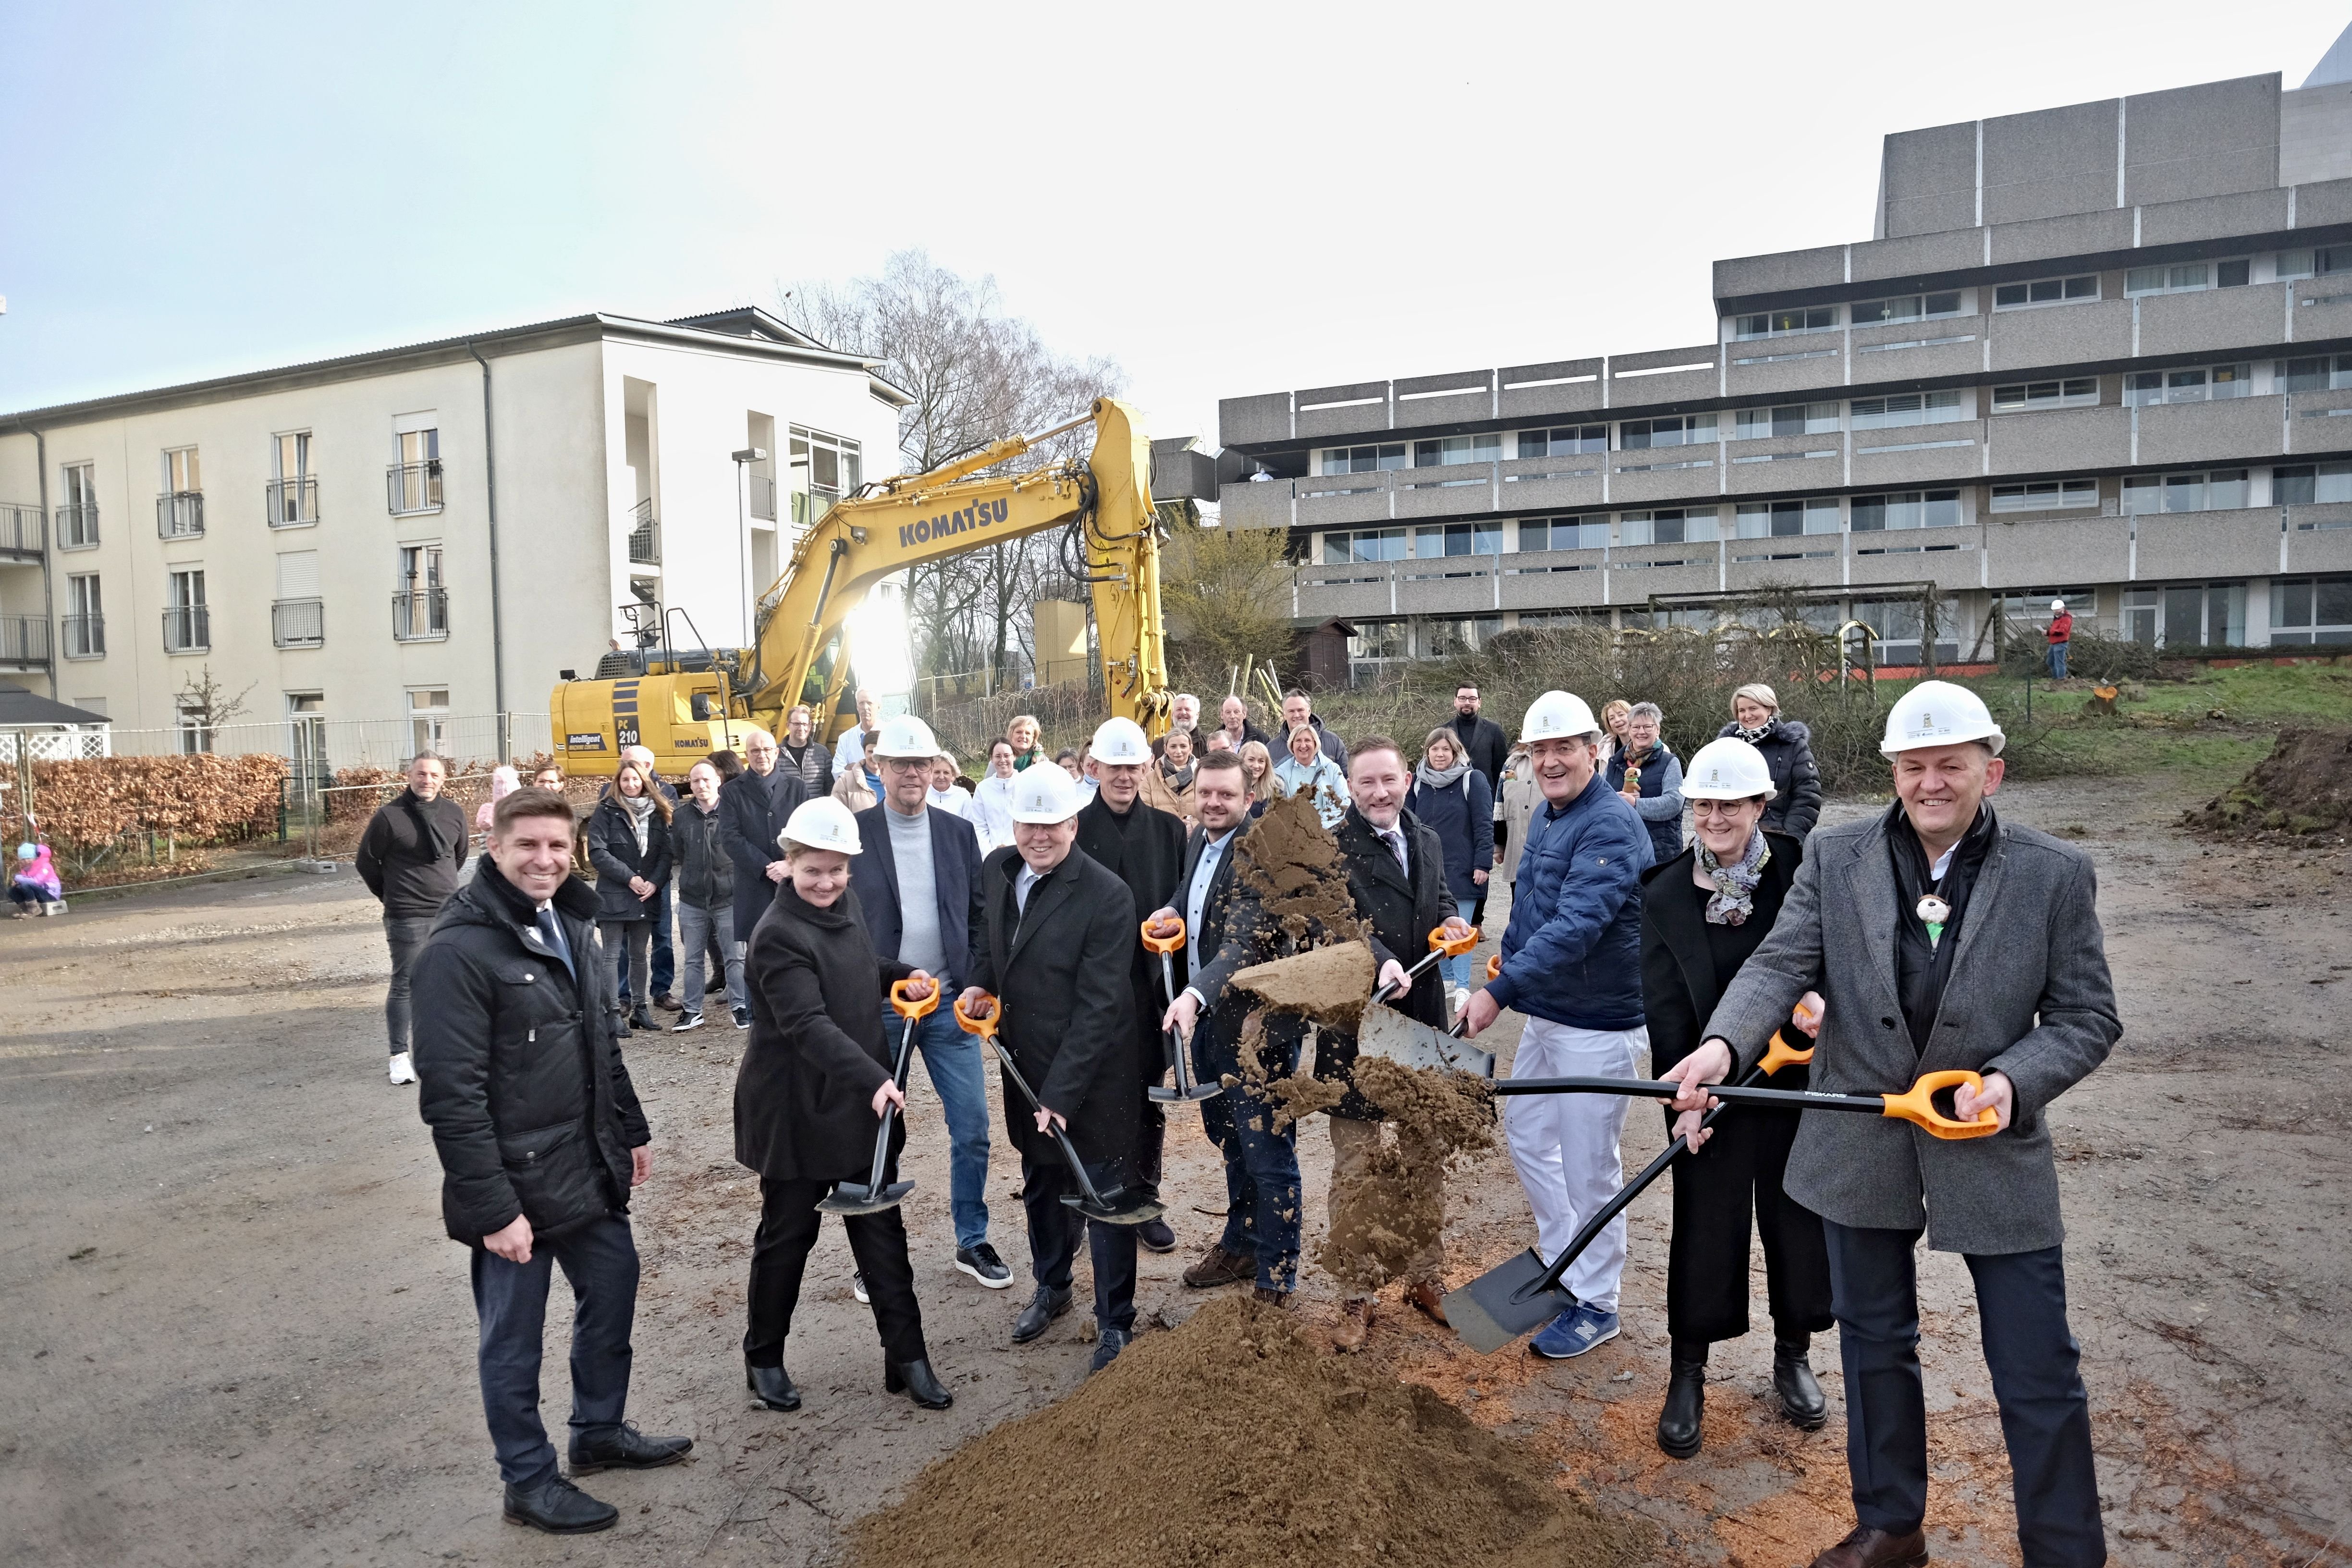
237 1333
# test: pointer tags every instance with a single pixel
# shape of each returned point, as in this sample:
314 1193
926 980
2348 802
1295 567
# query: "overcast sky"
1225 199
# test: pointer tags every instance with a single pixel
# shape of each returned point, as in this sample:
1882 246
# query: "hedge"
199 799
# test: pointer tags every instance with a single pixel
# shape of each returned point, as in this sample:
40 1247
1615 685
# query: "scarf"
1438 778
1734 898
641 810
1179 779
1756 737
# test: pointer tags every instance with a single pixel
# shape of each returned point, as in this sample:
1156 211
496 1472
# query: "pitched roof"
19 706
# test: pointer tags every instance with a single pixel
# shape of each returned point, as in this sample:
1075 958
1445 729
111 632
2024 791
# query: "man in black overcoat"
753 807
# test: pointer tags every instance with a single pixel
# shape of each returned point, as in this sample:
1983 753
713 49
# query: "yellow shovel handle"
1452 946
1914 1105
913 1007
984 1025
1157 941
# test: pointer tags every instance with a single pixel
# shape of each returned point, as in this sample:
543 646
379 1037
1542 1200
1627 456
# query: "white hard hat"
1939 714
1044 792
906 736
2057 604
1120 741
821 824
1727 769
1557 715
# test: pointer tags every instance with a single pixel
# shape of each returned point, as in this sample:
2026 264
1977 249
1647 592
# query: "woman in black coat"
1703 913
1452 800
628 843
814 1081
1787 748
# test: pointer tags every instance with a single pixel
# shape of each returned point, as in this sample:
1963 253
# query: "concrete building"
390 550
2102 351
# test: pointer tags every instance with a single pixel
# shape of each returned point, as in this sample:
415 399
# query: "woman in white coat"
991 803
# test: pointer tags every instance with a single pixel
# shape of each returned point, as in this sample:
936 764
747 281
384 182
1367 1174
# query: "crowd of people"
1029 909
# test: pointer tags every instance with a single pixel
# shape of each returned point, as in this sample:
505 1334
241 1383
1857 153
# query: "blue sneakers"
1574 1332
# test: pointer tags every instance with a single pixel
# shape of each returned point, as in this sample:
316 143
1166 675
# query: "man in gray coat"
1941 937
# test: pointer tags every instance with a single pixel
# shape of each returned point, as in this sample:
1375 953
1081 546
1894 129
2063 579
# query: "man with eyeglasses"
752 810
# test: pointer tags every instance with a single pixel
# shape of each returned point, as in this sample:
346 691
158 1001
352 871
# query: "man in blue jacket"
1572 963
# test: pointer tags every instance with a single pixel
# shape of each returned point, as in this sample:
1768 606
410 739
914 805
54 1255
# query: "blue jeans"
2057 661
953 1060
1262 1197
1456 970
600 1259
695 929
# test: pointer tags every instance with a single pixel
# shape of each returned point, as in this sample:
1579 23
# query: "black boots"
1038 1316
1801 1400
627 1448
1678 1422
559 1507
772 1386
915 1380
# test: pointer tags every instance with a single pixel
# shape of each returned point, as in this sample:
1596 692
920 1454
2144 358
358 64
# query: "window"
293 493
2319 374
2311 610
195 735
415 478
2031 606
2143 388
85 622
1682 430
1788 419
296 617
2046 291
1906 508
2030 395
1906 408
1781 323
1451 449
2189 615
1359 459
1448 639
180 510
1909 308
1368 544
1434 542
2220 490
1901 623
1787 518
1564 533
78 515
2178 277
1679 525
306 741
1377 640
2046 495
2317 263
420 602
1563 441
2311 484
428 720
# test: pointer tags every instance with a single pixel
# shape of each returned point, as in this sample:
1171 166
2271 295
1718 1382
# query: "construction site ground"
236 1332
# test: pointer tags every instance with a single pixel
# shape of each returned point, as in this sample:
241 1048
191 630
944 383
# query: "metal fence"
314 748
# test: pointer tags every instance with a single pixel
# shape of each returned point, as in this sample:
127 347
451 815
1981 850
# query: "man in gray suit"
1941 937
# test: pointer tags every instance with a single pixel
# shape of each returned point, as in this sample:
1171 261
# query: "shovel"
848 1197
1916 1105
1521 1295
1185 1088
1120 1206
1440 946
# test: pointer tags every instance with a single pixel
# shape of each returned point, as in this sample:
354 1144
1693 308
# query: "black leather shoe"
772 1386
1045 1306
1108 1347
1154 1235
915 1380
641 1019
1801 1400
559 1507
1678 1422
627 1450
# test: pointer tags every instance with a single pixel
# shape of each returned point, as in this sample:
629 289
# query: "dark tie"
1396 842
551 931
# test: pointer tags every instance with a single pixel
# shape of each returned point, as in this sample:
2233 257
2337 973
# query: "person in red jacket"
2061 633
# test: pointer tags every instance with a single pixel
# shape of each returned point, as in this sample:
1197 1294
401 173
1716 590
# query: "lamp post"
743 533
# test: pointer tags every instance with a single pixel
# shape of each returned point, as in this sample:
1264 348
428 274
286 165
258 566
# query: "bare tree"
977 374
206 705
1227 591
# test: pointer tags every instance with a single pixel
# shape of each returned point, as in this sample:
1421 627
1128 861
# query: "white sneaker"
857 1289
402 1071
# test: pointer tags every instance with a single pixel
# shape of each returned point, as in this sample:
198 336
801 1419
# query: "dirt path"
235 1333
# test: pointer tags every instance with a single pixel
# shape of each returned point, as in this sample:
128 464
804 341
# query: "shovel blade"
856 1198
1172 1097
1385 1032
1120 1206
1487 1317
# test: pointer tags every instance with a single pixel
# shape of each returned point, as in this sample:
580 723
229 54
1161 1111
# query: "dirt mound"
2304 785
1233 1440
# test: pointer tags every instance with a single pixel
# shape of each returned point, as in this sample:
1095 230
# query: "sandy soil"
235 1333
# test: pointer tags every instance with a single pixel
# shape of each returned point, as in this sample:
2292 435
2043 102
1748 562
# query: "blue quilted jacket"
1573 951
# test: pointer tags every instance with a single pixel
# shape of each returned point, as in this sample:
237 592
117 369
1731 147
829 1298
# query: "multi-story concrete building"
416 535
2102 351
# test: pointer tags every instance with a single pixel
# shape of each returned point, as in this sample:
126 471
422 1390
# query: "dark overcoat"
1398 906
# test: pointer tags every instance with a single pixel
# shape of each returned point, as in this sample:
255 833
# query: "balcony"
645 535
298 623
77 525
188 628
293 503
809 507
421 616
412 488
21 532
762 499
85 636
180 514
25 642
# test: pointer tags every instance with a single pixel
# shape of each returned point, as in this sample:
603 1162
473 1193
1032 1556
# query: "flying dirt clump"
1293 865
2304 786
1390 1212
1232 1440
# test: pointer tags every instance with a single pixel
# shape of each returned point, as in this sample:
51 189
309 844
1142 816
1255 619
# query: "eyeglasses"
1719 808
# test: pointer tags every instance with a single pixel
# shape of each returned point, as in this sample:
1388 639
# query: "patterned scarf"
1734 898
1756 737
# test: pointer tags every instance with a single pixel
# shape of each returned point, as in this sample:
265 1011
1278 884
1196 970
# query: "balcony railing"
77 525
809 507
188 628
294 503
298 623
414 486
764 498
422 615
85 636
645 535
21 532
180 514
23 640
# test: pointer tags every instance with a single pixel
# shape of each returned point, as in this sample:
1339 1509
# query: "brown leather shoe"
1218 1267
1265 1297
1870 1548
1355 1323
1427 1300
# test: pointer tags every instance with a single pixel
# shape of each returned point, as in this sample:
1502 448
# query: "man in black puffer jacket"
409 858
541 1138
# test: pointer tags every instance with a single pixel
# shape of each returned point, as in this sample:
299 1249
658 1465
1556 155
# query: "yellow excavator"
686 704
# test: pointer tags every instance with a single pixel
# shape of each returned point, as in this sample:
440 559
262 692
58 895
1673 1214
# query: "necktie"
1396 843
550 930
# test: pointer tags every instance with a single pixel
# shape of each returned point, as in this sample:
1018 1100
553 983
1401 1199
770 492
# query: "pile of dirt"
2304 786
1233 1440
1327 984
1292 863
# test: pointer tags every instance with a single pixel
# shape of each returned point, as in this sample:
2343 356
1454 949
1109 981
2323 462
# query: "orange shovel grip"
1156 942
1780 1054
907 1006
984 1025
1452 946
1494 966
1914 1105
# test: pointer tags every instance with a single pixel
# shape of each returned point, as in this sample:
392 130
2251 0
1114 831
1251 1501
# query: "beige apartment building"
402 548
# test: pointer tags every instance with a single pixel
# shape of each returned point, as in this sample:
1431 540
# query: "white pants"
1565 1146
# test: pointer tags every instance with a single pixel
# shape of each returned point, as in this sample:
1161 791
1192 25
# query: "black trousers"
789 1222
1054 1228
2045 1416
1736 1174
